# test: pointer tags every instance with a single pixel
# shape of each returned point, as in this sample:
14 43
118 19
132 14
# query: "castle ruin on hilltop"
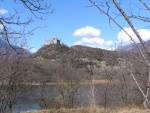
52 41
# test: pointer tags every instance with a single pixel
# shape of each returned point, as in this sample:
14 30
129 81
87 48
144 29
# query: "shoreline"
81 83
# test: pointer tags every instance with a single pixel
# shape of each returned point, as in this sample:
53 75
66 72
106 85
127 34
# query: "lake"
105 96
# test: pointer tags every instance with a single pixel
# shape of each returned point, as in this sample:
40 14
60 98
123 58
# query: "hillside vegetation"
78 56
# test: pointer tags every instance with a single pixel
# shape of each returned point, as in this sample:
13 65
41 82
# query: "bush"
49 103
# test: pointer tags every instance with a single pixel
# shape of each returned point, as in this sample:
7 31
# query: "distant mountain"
6 48
132 47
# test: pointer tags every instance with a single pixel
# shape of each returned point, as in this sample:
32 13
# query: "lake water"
30 97
104 96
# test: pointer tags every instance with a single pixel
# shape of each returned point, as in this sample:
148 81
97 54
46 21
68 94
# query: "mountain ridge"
6 48
132 48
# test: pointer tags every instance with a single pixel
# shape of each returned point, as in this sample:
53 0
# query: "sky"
75 23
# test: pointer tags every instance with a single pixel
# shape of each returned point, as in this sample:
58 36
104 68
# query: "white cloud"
145 34
78 43
111 49
90 36
91 46
33 50
87 32
123 37
25 48
3 11
109 43
93 40
1 26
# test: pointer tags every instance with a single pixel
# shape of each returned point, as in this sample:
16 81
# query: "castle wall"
53 41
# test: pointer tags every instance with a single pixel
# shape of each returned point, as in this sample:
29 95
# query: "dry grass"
85 82
92 110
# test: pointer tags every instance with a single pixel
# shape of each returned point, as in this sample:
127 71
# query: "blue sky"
74 23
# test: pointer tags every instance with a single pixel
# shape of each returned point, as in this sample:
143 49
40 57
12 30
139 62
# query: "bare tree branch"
145 55
148 8
9 23
131 25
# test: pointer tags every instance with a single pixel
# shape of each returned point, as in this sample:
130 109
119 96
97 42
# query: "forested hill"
79 56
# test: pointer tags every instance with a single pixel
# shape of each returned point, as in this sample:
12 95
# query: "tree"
69 83
128 16
9 31
13 73
14 70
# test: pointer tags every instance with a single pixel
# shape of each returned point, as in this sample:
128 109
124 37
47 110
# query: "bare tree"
13 73
69 83
93 90
9 23
13 69
129 16
45 71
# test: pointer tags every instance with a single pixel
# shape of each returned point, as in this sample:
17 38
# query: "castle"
52 41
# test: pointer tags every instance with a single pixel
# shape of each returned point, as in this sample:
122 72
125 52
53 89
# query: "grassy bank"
92 110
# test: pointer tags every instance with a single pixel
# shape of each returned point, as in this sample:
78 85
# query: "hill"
78 56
